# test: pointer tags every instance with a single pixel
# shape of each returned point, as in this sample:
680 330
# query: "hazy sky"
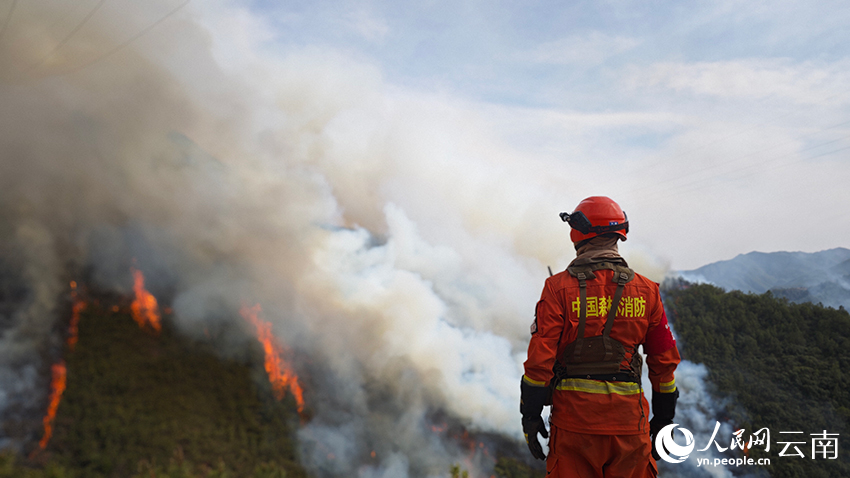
721 127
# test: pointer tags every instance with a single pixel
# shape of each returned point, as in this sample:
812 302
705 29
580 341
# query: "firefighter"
583 357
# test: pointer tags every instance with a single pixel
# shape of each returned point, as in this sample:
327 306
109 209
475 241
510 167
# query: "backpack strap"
582 311
622 278
622 275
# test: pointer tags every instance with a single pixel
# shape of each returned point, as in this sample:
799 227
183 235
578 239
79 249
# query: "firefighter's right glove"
663 411
531 406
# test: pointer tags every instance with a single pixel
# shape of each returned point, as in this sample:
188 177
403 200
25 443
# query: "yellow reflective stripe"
667 387
598 386
531 382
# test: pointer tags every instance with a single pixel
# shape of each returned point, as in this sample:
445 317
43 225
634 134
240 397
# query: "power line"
773 120
70 35
8 17
127 42
703 183
74 7
735 159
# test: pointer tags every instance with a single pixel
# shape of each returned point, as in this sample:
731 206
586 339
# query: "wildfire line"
77 307
145 312
58 370
280 372
57 388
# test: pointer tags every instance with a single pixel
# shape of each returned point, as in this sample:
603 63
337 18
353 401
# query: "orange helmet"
595 216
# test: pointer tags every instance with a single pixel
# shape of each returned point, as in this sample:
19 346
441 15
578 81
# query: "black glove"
663 411
531 428
655 426
531 406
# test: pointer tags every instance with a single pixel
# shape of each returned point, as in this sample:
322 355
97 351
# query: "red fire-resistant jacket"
594 406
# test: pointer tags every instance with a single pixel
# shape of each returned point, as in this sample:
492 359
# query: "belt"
608 377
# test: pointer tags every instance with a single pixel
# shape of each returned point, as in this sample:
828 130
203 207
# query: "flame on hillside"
144 308
57 388
281 374
144 311
78 305
59 371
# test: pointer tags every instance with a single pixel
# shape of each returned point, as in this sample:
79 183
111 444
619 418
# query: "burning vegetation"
156 403
281 375
161 404
57 388
58 370
145 309
78 305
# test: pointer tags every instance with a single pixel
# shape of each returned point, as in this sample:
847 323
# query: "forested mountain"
776 364
819 277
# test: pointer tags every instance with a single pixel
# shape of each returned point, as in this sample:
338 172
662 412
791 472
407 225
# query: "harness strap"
582 312
622 275
615 304
612 313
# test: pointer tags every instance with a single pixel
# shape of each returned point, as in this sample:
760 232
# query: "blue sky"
708 119
509 51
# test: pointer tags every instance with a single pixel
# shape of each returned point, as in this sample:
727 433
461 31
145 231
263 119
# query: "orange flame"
57 387
58 370
281 374
144 308
77 307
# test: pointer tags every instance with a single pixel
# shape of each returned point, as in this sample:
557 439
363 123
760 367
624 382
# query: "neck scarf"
598 249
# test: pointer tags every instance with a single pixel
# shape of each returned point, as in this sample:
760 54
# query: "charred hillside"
783 365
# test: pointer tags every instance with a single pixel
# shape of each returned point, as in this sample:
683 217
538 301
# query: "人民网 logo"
668 449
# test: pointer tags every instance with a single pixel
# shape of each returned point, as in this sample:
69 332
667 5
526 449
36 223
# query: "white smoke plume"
387 235
696 412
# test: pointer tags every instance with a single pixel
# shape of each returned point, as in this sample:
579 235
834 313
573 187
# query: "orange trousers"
580 455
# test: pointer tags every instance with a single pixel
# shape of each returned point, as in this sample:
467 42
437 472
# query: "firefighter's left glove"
531 406
663 412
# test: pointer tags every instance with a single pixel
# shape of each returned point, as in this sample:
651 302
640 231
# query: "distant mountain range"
818 277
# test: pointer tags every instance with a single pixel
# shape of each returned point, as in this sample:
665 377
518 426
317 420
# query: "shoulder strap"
582 311
622 275
621 279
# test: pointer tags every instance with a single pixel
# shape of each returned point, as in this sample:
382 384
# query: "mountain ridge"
817 277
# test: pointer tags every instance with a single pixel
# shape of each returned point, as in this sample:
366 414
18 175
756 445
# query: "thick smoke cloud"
389 238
